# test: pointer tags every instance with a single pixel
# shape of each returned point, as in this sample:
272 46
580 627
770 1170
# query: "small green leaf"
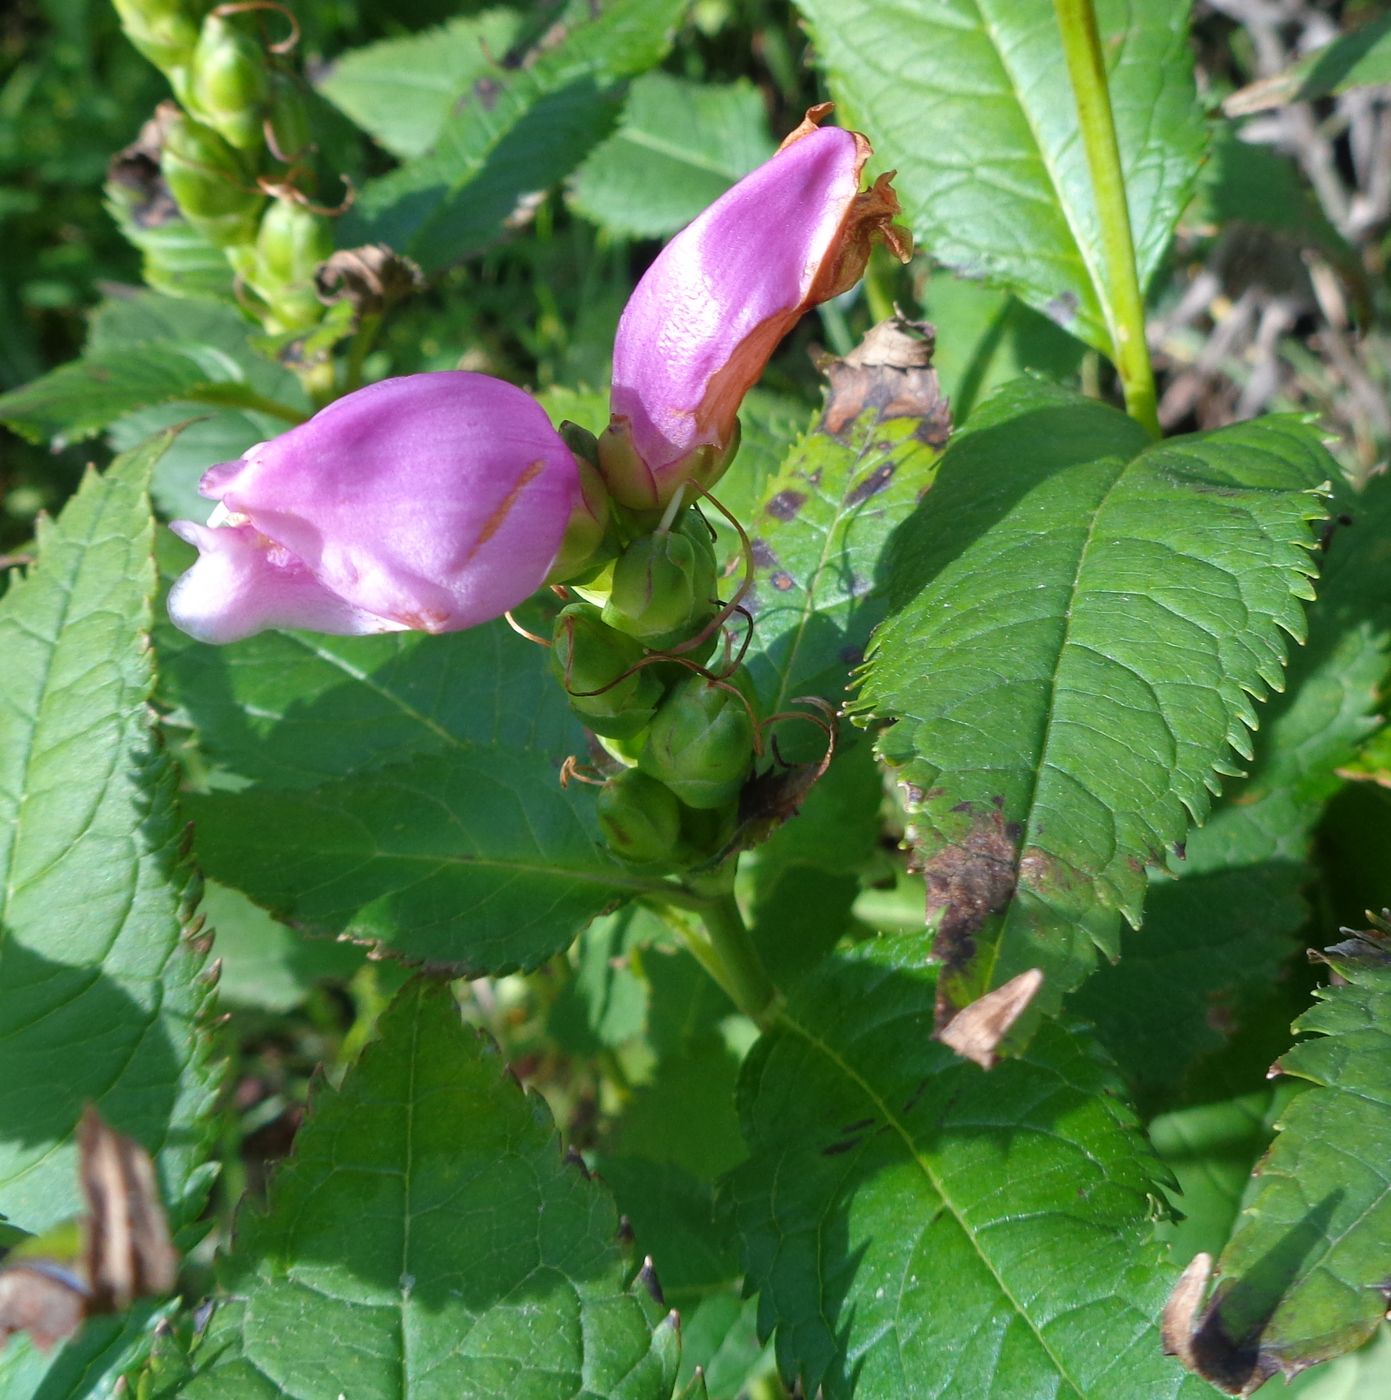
819 533
1080 622
1359 58
428 1238
679 146
1304 1275
676 1221
401 91
520 132
971 102
917 1227
99 993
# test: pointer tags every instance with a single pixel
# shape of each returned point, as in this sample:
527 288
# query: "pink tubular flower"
708 313
434 502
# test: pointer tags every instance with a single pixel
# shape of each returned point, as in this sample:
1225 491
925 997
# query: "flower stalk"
1124 303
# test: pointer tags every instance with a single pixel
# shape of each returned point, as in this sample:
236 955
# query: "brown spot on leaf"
875 482
890 371
783 582
1062 309
486 91
967 882
786 504
763 556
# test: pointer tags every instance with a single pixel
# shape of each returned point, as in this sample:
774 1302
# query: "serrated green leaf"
676 1221
428 1238
175 258
99 995
679 146
917 1227
400 91
426 769
1080 622
971 102
1304 1275
519 133
1207 958
147 351
817 539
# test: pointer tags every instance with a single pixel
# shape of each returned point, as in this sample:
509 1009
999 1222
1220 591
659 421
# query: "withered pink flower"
434 502
711 309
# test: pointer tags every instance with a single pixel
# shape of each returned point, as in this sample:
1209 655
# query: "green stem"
725 950
1125 307
363 339
748 985
235 396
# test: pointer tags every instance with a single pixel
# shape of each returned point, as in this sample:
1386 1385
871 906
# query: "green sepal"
209 180
663 587
640 819
588 657
702 740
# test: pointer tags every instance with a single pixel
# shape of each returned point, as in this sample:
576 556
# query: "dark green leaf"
428 1238
675 1221
519 133
1080 621
970 100
402 790
917 1227
99 994
1304 1276
146 351
679 146
1207 959
401 91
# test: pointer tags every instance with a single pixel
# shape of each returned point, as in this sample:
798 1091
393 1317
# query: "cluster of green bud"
629 657
233 151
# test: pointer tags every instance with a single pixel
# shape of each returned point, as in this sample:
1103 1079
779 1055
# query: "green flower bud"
208 179
165 31
640 819
229 83
664 585
290 245
701 742
587 656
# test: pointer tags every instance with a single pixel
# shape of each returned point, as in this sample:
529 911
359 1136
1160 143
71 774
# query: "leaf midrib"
891 1119
1030 836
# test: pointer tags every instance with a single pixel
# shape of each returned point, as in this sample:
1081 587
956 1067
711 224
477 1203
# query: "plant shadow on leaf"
1042 441
1226 1344
70 1036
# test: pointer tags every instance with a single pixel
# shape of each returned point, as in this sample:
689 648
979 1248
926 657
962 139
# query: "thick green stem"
238 396
748 985
725 950
1125 307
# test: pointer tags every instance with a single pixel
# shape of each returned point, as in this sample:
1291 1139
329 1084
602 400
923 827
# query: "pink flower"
434 501
708 313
